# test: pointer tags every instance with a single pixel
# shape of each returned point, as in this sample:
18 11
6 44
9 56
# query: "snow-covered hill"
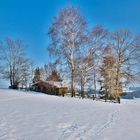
42 117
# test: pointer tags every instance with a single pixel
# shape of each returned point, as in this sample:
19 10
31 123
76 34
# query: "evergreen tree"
54 76
37 75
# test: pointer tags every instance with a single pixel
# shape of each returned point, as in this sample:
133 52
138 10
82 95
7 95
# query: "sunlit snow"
35 116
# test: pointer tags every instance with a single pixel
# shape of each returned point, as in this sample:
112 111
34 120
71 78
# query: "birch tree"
68 36
84 71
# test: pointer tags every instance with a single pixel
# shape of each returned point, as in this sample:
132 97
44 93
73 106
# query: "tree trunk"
94 85
72 84
11 84
82 88
11 81
118 88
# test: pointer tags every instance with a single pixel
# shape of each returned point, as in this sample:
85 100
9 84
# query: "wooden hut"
50 87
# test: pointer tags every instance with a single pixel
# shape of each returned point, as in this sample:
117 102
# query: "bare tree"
85 65
97 41
68 35
123 64
14 63
127 50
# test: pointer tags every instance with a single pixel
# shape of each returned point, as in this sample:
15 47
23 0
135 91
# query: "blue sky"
30 19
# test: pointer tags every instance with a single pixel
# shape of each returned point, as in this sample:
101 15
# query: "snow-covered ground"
42 117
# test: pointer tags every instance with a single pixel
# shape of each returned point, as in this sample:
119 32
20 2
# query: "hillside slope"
43 117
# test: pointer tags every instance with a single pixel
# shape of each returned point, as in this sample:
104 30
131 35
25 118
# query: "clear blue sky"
30 19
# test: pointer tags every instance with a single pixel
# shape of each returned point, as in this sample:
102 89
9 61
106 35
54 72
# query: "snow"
35 116
58 84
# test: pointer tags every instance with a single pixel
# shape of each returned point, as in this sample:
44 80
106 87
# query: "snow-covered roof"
58 84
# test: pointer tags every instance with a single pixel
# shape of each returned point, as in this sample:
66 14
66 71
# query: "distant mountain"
134 88
136 93
133 94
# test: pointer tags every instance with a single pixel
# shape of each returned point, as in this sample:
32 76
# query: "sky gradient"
30 19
